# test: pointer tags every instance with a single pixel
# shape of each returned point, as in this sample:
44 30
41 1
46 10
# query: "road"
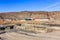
31 36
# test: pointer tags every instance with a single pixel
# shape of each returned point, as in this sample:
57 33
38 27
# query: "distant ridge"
31 14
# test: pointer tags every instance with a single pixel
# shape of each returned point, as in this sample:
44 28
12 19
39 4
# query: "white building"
42 19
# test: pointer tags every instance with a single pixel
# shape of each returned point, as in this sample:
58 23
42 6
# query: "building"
41 19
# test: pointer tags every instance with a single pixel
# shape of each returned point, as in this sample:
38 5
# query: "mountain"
31 14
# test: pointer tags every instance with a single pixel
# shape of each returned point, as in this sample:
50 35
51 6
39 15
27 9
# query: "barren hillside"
31 14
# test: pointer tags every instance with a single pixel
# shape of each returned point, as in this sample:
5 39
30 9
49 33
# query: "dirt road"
41 36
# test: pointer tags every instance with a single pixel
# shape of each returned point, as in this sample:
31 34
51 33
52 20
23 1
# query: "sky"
29 5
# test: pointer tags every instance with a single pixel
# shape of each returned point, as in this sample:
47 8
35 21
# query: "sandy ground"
41 36
16 36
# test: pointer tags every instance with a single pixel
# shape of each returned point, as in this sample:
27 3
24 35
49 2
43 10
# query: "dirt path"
41 36
16 36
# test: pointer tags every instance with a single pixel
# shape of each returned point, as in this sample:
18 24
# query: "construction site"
30 25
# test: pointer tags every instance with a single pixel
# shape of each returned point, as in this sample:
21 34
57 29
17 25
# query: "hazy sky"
29 5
